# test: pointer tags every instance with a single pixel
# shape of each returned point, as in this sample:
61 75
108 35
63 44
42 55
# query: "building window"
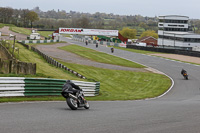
176 29
161 20
174 21
194 40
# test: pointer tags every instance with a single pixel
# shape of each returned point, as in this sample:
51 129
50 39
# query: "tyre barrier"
37 41
23 86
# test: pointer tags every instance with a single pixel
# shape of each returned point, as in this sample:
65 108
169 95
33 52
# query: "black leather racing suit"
69 86
183 71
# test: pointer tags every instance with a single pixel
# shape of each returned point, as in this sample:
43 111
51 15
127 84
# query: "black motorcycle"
185 75
75 101
112 50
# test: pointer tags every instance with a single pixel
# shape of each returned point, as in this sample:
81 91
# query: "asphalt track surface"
176 112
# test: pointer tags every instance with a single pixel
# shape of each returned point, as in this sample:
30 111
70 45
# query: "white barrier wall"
20 86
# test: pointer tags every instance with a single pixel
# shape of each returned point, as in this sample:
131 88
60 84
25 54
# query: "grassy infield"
115 84
120 85
28 31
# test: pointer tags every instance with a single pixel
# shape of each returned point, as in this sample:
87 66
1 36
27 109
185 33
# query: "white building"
175 31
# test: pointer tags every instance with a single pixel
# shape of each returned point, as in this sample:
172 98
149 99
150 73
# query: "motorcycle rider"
69 86
74 96
183 71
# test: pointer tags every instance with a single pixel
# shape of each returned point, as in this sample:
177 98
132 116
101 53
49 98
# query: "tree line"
54 19
21 17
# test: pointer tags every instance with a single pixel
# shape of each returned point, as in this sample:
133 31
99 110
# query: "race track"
175 112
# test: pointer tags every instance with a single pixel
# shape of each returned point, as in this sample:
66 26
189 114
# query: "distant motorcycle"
75 101
185 75
112 50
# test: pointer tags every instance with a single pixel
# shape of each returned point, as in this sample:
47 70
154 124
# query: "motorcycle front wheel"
186 77
87 106
72 103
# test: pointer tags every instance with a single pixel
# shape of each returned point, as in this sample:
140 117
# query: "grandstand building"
176 31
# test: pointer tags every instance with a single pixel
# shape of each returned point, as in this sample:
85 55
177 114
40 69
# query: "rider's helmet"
68 81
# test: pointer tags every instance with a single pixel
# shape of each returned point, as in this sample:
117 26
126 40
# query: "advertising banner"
100 32
94 32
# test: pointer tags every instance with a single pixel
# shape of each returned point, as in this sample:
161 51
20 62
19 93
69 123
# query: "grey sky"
149 8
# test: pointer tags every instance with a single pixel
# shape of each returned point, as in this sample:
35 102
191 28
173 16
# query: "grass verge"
25 31
124 85
2 25
21 30
100 56
45 33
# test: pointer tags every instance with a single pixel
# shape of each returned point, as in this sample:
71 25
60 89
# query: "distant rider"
183 71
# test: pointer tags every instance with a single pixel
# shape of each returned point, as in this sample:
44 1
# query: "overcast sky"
150 8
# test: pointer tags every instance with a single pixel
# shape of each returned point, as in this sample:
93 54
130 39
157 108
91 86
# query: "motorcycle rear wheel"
72 103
